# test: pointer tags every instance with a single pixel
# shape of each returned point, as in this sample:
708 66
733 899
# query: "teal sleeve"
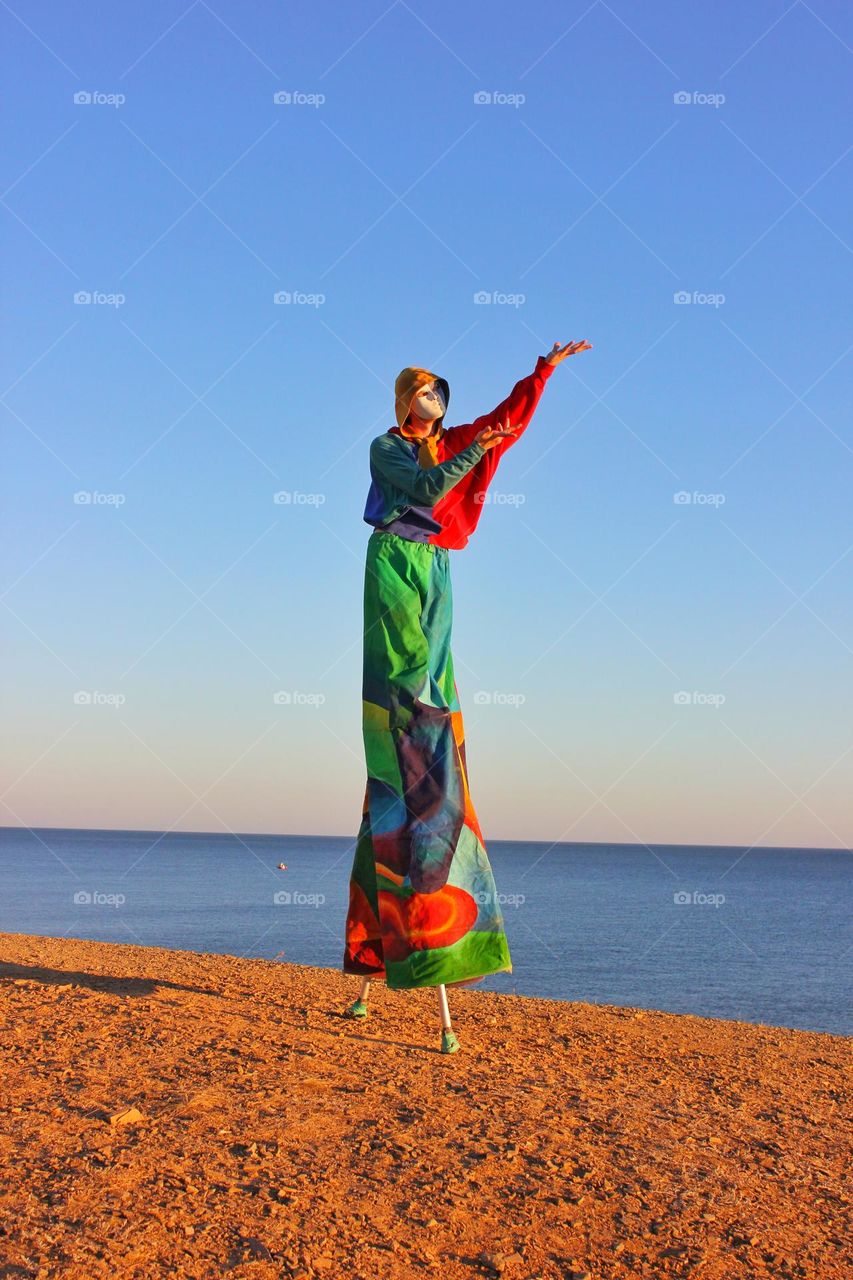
399 468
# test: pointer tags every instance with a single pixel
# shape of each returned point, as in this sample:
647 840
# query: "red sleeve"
520 405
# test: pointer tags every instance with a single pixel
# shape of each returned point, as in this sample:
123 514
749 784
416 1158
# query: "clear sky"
630 666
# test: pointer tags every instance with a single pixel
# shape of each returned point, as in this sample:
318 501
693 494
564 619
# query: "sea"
760 935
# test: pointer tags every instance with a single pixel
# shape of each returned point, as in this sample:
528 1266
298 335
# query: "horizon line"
304 835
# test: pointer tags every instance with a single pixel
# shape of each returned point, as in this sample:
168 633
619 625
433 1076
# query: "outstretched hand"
489 436
558 353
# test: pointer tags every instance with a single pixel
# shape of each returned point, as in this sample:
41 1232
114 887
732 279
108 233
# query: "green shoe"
357 1010
449 1043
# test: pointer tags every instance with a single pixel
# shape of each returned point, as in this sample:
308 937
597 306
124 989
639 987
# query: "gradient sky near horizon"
669 181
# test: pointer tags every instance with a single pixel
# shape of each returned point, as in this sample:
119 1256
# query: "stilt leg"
449 1043
444 1008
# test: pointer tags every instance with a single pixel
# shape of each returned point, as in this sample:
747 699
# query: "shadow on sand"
94 981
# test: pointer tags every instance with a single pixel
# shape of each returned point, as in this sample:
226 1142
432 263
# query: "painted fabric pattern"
423 907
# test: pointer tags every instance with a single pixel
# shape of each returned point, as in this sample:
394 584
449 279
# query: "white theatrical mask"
429 404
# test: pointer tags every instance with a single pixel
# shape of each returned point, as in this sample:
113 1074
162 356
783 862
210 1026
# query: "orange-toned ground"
277 1139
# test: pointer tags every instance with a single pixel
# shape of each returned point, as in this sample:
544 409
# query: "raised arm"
519 406
398 466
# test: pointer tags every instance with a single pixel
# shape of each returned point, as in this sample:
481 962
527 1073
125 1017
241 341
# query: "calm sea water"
762 935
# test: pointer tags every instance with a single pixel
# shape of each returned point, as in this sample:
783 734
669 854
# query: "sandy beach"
168 1113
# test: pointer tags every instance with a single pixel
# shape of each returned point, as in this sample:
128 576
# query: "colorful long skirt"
423 907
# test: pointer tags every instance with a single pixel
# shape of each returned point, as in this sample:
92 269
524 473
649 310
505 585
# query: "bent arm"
396 465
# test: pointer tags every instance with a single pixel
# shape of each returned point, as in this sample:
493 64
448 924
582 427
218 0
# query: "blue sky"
669 181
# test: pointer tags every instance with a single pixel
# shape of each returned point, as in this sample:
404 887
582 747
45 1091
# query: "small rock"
129 1116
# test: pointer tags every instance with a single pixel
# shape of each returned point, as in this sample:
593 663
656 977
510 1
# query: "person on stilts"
423 906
